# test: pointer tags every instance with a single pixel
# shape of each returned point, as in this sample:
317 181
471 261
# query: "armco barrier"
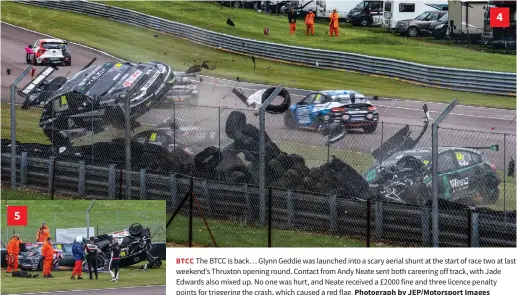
408 225
450 78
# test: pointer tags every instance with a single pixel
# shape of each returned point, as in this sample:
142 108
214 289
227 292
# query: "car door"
432 17
448 184
68 256
35 48
303 111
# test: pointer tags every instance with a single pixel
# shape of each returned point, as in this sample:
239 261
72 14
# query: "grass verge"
138 44
105 216
376 42
233 234
129 276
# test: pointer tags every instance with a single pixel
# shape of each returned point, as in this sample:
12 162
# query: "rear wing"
36 82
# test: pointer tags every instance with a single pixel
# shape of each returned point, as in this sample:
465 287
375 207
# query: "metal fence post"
368 222
209 200
190 212
475 229
112 181
425 226
128 148
174 190
88 218
143 187
13 126
333 212
434 164
262 152
290 209
504 171
23 169
270 216
81 185
379 211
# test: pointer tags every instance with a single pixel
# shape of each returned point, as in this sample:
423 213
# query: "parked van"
366 13
395 11
466 19
325 8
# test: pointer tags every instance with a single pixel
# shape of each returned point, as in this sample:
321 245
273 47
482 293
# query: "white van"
395 11
325 8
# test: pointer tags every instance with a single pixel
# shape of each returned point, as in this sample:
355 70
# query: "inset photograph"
55 246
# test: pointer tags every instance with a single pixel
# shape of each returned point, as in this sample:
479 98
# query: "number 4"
500 17
17 215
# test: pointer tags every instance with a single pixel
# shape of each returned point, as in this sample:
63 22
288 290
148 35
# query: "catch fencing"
499 83
316 187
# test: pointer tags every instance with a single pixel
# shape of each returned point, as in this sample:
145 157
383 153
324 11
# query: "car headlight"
439 26
356 13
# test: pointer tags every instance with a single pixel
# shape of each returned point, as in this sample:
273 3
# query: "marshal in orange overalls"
309 23
334 24
43 233
13 249
48 256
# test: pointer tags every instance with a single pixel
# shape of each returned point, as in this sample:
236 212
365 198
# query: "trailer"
500 36
466 20
395 11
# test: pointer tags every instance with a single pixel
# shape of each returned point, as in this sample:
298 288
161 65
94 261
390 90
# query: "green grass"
105 216
129 276
138 44
378 42
27 125
233 234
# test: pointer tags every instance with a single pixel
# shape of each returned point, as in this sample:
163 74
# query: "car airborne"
46 51
96 97
348 108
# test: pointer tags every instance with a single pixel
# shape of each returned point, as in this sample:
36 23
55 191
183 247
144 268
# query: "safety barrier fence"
500 83
291 210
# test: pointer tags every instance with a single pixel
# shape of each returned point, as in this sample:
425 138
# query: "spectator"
292 21
309 23
334 24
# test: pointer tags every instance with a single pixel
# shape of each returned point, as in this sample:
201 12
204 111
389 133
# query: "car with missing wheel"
348 108
47 51
464 176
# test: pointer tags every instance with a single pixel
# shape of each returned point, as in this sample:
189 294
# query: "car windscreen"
54 45
422 16
425 157
444 18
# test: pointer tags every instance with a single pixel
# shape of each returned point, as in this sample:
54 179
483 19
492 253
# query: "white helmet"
79 239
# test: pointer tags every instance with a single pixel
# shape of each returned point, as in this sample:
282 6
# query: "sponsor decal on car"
132 79
38 80
459 184
151 81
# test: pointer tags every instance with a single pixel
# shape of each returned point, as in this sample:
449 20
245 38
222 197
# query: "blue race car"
322 108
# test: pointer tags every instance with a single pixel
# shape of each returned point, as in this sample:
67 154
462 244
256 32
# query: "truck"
395 11
499 36
466 20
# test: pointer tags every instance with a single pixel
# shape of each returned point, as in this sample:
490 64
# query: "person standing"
309 23
91 257
114 261
43 233
78 252
292 21
13 249
334 24
47 251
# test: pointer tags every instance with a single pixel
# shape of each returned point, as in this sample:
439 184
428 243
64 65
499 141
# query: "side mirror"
30 46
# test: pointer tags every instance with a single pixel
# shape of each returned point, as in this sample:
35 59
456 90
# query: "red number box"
500 17
17 216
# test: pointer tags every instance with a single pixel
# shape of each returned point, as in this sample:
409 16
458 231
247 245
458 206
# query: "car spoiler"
33 85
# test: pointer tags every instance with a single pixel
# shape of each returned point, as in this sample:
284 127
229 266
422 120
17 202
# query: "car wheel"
370 128
289 121
236 4
40 264
412 32
364 22
34 60
69 62
27 59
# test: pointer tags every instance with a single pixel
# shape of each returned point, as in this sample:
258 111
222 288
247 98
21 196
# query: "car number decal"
153 137
302 116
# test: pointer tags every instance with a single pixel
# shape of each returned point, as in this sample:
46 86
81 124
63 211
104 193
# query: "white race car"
46 51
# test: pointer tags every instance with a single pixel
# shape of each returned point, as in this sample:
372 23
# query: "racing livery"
183 89
96 97
346 107
46 51
464 175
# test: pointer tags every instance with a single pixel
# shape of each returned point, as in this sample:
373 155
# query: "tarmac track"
216 95
148 290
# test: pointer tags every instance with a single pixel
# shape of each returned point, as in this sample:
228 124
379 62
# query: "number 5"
16 215
500 17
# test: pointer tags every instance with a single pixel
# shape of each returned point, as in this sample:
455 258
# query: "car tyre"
208 158
27 59
236 4
412 32
234 124
40 264
69 62
364 22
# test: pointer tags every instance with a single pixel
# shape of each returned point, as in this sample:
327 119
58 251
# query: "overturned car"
96 97
136 246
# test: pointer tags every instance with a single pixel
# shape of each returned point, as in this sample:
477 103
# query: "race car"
32 259
95 97
346 107
183 89
45 51
464 175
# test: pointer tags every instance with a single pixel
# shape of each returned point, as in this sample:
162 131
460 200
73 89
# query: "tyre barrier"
277 109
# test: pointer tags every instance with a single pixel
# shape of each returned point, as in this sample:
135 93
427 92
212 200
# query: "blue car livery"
347 107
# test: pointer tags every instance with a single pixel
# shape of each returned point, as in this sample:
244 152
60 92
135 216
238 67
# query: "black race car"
95 97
